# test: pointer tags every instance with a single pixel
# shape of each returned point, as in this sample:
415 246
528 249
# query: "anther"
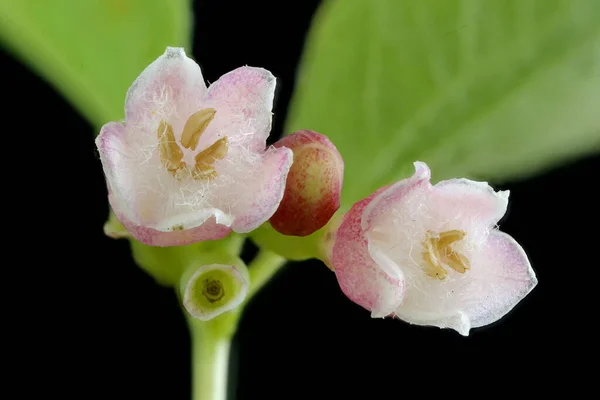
205 159
195 127
438 253
170 153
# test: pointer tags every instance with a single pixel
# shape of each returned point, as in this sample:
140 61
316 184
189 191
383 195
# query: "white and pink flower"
190 163
431 254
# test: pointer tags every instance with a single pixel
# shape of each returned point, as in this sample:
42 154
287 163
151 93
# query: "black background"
114 333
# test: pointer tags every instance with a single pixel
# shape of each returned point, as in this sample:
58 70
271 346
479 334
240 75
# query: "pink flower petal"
379 221
259 191
358 275
247 94
396 194
113 146
209 230
507 278
170 88
467 200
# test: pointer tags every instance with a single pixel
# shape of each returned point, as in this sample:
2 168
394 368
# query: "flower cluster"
190 163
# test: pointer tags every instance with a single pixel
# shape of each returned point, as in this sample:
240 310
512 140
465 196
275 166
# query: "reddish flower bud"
313 187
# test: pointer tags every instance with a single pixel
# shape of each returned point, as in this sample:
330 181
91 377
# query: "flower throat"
171 154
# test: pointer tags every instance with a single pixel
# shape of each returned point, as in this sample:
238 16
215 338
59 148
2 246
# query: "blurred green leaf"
487 89
92 50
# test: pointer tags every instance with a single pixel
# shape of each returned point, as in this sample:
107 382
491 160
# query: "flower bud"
214 289
313 187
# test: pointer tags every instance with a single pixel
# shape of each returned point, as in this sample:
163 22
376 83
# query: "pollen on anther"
195 127
204 168
170 153
438 252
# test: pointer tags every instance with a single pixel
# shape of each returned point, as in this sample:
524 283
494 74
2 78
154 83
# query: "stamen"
433 268
431 245
457 262
446 238
195 127
172 156
205 159
438 252
170 153
204 172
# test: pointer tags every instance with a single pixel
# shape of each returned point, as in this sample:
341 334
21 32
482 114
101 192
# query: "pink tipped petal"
171 87
395 195
464 199
112 135
112 144
209 230
507 277
261 189
391 215
247 94
358 275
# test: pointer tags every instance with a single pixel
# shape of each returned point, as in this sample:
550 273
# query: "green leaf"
487 89
92 50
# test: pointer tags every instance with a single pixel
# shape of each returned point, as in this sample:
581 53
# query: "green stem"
236 242
262 269
210 361
211 340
